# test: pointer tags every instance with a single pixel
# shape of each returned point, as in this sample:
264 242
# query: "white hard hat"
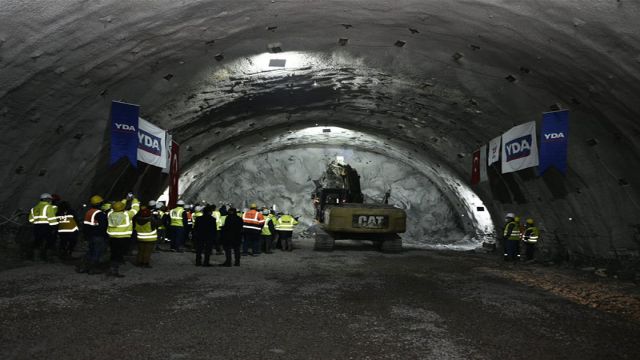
199 208
159 205
510 216
45 196
180 202
152 203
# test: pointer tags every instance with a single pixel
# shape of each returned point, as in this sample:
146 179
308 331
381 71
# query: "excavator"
342 214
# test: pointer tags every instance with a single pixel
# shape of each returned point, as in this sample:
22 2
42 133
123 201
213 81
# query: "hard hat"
106 206
130 195
253 206
118 206
45 196
199 208
265 212
180 203
510 216
96 199
159 205
152 203
56 197
516 219
530 221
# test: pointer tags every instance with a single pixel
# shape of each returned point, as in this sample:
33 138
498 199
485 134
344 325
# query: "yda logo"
518 148
149 143
125 127
554 137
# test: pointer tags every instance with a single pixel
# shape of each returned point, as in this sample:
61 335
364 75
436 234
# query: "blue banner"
124 132
554 138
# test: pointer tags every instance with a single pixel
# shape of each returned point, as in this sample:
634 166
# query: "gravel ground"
353 303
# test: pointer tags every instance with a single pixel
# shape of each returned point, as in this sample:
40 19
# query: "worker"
45 223
231 237
95 233
145 226
198 212
131 202
511 237
120 229
253 221
530 237
67 230
205 231
178 222
157 214
217 214
285 226
268 231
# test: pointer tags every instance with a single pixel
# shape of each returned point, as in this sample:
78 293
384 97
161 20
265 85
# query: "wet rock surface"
351 303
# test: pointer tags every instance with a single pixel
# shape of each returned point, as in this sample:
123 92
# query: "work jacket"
216 215
531 235
95 223
178 217
286 223
195 216
253 220
146 229
44 214
159 215
120 224
269 226
67 224
512 231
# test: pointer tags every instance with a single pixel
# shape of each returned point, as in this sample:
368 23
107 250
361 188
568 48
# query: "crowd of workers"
514 233
121 224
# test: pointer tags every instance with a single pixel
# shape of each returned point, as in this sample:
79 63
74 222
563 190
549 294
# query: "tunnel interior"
409 90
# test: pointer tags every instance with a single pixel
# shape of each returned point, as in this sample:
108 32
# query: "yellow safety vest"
67 224
44 213
159 214
223 219
286 223
196 215
120 225
533 235
515 233
265 229
176 216
146 232
216 215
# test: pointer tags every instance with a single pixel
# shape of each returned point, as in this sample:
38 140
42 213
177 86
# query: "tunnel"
420 85
261 96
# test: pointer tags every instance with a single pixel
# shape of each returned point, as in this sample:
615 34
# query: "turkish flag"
174 174
475 168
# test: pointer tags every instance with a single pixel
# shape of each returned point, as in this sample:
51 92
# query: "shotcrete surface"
353 303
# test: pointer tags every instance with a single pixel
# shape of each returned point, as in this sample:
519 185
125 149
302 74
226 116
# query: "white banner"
152 147
483 163
519 148
167 168
494 150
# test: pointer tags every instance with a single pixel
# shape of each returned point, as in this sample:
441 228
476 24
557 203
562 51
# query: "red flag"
174 175
475 169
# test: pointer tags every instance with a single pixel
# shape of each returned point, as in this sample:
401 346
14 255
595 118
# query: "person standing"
120 229
231 236
178 222
217 214
95 233
530 237
158 217
45 223
205 231
253 221
285 226
146 232
67 230
511 237
268 230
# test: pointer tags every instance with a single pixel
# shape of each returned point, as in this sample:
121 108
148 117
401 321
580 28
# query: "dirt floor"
353 303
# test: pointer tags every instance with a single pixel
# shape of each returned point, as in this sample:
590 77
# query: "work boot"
198 261
237 263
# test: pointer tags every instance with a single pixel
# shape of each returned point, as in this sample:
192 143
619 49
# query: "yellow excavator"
342 214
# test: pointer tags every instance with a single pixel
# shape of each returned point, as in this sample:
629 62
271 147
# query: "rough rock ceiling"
438 77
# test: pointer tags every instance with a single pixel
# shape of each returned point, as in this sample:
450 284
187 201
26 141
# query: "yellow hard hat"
530 221
253 206
106 206
96 199
118 206
517 219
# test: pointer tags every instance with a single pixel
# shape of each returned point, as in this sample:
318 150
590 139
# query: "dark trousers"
251 239
119 247
236 254
203 246
529 250
96 247
267 243
177 237
44 239
145 248
286 238
512 249
68 241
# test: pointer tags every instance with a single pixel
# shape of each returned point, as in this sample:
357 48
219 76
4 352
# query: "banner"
151 144
174 175
494 150
554 138
519 148
124 132
475 168
483 164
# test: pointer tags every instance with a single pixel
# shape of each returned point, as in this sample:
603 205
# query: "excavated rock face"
430 81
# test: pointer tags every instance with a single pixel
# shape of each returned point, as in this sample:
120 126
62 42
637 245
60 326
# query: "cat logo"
370 221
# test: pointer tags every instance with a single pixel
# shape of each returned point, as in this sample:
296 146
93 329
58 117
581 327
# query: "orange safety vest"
90 217
67 224
253 219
